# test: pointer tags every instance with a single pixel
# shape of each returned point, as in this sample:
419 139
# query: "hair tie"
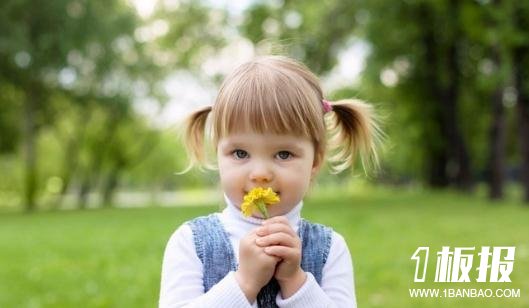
326 106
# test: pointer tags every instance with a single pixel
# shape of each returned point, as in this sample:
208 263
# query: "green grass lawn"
112 257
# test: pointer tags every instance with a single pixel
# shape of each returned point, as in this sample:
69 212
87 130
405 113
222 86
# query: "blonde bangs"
263 98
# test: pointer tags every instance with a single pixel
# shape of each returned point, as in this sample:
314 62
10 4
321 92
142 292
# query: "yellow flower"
257 199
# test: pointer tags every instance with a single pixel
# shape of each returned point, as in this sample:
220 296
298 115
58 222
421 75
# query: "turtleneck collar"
231 212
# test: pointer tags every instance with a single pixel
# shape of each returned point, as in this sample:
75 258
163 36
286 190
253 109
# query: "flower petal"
258 195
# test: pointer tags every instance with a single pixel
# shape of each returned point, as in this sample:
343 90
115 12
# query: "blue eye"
240 154
283 155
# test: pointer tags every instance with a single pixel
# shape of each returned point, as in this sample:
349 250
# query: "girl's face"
283 162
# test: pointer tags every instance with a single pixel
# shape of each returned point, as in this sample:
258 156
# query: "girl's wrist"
249 291
292 284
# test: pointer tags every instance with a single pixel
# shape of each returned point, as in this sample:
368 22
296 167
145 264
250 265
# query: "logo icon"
455 265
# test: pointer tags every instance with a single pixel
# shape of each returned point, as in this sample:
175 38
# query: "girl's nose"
261 173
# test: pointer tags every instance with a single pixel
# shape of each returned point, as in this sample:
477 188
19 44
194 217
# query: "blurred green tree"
66 46
433 64
91 60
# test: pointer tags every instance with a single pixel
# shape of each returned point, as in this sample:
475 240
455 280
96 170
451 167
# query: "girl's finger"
280 238
275 228
285 253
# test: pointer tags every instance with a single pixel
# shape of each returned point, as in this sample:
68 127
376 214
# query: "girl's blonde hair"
278 95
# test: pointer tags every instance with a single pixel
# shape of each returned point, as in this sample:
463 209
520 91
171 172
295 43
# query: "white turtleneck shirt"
181 281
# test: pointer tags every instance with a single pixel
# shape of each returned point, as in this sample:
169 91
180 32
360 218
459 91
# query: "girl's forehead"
268 139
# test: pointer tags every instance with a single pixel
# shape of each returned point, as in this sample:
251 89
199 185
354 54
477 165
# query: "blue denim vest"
214 249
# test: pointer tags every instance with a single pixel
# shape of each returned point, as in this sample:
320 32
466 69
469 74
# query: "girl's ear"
316 165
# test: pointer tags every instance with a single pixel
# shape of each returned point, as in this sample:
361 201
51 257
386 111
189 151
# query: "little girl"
270 127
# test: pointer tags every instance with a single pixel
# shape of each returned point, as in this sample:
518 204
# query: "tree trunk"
437 161
98 155
435 153
459 157
521 61
71 156
109 188
447 156
497 130
30 151
521 77
84 190
68 166
496 165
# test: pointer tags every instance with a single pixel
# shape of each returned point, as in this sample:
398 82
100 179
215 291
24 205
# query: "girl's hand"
280 240
256 268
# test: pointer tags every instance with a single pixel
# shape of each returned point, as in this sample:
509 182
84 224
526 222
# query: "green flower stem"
262 208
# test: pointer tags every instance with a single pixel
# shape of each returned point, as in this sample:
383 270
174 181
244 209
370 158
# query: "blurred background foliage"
449 78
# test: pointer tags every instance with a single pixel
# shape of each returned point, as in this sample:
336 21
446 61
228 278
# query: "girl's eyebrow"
289 146
279 146
235 144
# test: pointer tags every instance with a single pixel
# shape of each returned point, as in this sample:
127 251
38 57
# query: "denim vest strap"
215 251
213 248
315 246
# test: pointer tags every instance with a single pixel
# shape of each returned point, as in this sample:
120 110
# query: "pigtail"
353 131
195 133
